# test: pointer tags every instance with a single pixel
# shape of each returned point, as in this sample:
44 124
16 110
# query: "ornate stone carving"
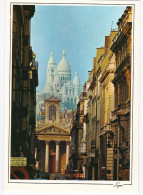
53 130
53 138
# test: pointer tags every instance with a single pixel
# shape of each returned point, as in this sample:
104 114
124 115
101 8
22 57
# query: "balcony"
82 148
125 62
93 144
93 81
86 118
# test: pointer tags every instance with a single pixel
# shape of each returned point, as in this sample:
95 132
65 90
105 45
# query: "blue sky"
77 29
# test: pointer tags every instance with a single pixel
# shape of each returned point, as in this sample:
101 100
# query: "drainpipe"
118 157
96 129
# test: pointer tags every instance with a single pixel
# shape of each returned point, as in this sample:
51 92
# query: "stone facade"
108 66
54 139
24 83
122 46
78 133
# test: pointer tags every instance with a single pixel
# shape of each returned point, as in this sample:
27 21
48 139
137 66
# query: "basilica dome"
63 66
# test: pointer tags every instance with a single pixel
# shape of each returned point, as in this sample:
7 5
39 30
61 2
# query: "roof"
51 98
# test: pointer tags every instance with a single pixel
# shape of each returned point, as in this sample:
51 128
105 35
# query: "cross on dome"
63 52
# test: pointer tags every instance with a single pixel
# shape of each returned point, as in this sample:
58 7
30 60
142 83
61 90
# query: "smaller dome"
51 61
76 80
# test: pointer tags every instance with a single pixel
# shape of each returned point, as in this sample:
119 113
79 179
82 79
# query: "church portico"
54 140
56 156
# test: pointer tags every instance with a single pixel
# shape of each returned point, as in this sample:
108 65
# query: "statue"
53 119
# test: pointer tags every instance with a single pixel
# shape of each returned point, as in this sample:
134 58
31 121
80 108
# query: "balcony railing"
93 143
125 62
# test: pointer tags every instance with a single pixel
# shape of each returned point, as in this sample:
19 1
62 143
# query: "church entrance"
52 164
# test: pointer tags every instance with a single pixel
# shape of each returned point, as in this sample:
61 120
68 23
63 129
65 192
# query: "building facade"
108 66
24 83
122 47
54 139
78 134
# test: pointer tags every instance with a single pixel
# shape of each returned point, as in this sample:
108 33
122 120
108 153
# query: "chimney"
107 43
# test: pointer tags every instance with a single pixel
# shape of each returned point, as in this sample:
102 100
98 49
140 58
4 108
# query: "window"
52 112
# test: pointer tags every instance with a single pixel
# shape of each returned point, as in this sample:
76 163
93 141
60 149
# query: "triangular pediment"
53 130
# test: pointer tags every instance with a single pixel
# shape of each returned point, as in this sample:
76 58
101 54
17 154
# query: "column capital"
47 142
67 142
57 142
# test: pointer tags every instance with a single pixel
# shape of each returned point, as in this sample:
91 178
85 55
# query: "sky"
78 30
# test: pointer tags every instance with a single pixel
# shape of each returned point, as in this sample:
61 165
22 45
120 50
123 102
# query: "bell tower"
52 105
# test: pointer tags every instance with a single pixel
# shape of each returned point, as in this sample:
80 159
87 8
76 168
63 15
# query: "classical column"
67 152
37 163
57 156
47 157
36 154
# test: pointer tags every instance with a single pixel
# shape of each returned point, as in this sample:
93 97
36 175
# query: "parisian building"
24 83
78 134
120 120
108 66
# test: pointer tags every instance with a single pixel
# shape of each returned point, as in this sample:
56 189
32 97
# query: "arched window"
52 112
74 100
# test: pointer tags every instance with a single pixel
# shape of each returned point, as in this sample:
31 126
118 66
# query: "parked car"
42 175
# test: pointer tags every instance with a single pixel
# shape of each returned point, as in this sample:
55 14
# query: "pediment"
54 130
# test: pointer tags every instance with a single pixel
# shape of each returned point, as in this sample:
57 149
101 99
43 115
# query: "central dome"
63 66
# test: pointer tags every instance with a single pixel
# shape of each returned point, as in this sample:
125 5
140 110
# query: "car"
42 175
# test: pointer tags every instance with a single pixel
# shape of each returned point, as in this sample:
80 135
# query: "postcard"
71 96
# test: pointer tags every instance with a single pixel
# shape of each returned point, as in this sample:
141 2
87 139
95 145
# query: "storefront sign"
18 161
